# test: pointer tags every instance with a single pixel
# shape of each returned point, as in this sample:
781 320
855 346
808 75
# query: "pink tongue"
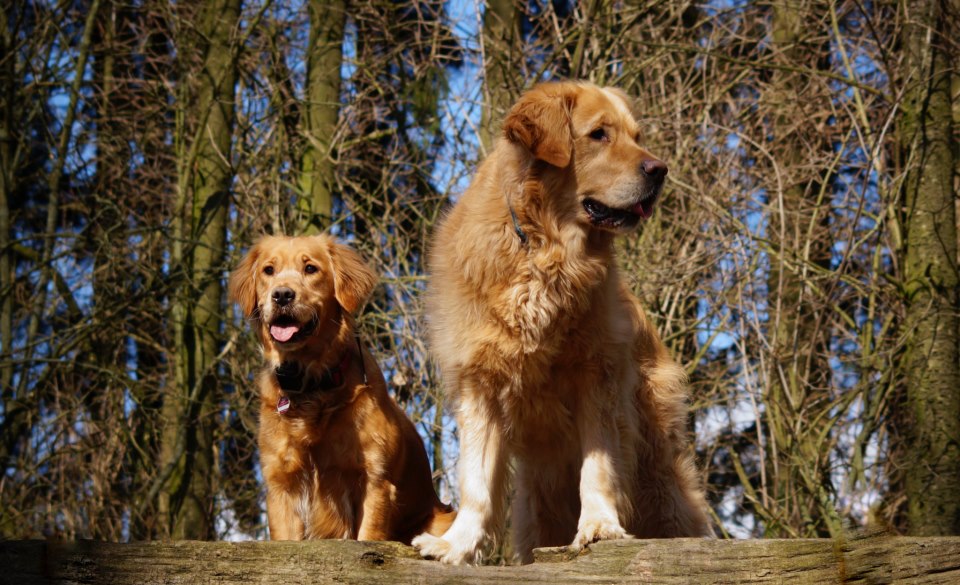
283 334
644 212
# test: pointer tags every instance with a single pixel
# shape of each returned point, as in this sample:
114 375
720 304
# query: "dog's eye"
268 270
310 269
600 135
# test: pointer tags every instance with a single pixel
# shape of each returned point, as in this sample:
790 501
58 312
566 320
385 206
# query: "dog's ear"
353 280
242 288
540 122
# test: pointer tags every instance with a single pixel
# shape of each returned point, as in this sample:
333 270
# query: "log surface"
878 559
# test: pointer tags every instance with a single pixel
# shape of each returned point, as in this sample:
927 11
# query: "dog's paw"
445 551
591 531
430 546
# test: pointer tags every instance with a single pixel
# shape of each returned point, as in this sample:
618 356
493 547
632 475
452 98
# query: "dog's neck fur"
564 261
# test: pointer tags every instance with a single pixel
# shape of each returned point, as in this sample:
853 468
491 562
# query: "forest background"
802 265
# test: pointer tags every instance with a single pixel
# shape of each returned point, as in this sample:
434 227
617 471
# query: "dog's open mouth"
285 329
610 217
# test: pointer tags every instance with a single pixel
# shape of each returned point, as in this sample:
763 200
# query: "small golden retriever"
339 457
549 359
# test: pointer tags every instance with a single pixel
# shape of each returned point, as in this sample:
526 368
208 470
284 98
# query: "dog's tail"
443 517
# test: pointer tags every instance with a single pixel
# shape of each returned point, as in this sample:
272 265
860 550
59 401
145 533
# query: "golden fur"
550 360
344 461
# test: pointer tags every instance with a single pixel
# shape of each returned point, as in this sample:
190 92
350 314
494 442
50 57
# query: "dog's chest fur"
549 293
545 323
313 449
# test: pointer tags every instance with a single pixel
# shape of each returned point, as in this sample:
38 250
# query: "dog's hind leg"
377 511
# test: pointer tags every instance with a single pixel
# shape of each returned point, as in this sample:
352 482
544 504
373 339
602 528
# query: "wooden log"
878 559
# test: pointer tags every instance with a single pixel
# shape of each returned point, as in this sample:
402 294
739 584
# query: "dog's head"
589 135
296 287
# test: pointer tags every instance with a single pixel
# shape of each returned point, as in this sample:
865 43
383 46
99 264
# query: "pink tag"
283 405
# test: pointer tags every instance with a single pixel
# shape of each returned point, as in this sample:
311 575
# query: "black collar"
292 377
516 224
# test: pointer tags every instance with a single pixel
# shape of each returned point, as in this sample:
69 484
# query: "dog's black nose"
283 296
653 168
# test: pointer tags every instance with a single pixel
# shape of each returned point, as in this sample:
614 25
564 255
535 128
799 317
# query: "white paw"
430 546
446 551
591 531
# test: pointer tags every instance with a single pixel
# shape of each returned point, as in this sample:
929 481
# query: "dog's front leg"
282 516
599 483
482 476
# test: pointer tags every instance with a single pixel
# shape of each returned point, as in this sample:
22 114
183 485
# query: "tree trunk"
931 361
687 561
8 110
190 408
799 375
8 87
501 64
322 111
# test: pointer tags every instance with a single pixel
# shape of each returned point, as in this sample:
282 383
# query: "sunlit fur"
344 463
553 367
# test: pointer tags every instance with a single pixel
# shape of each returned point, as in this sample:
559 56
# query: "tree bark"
189 410
8 87
799 375
501 55
685 561
931 362
322 111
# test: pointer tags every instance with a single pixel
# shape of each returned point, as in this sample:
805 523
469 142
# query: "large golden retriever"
550 360
339 457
